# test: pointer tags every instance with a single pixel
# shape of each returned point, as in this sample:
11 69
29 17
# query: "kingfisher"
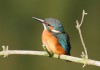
54 38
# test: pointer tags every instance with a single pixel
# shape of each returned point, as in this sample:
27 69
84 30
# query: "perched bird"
54 38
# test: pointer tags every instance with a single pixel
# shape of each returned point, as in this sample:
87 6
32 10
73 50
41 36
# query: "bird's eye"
48 25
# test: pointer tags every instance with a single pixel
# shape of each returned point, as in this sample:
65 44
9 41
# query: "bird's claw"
49 53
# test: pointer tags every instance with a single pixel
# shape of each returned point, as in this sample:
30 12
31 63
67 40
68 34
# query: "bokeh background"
20 32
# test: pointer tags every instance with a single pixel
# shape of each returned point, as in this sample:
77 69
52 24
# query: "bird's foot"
49 53
58 57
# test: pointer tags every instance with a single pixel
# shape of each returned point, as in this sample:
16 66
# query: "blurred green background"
19 31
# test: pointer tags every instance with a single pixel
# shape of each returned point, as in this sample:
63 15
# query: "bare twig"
84 54
7 52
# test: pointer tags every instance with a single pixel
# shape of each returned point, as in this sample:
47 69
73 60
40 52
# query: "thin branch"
7 52
84 13
84 54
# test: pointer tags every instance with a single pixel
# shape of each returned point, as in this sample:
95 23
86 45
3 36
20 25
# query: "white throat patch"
44 27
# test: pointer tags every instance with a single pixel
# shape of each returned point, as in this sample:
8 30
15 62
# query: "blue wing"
64 41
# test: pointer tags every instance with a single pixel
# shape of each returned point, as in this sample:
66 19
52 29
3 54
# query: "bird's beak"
38 19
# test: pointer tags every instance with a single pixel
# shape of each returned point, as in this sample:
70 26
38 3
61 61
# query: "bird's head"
53 24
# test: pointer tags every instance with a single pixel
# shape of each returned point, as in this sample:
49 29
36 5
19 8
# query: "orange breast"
51 43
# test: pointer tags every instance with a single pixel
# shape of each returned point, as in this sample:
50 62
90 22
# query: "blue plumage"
64 41
55 23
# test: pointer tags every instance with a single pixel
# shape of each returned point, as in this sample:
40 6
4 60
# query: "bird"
54 37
